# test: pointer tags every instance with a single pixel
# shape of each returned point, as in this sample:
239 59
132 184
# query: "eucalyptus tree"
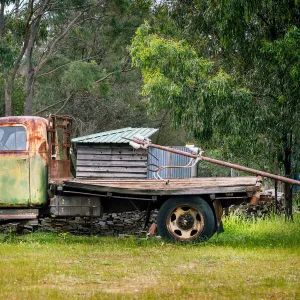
90 76
23 29
250 97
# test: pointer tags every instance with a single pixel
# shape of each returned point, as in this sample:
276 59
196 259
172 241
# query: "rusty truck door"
14 166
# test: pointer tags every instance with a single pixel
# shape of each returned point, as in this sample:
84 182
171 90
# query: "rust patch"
218 210
255 198
59 139
59 169
23 179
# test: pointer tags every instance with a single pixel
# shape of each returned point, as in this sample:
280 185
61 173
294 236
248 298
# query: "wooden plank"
112 157
173 184
112 169
110 175
110 151
122 163
166 191
104 146
156 186
217 181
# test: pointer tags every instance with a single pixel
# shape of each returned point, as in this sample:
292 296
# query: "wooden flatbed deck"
154 187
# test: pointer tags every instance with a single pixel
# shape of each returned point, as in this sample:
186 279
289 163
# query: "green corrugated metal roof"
115 136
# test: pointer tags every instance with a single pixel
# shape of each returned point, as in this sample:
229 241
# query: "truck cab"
33 152
23 161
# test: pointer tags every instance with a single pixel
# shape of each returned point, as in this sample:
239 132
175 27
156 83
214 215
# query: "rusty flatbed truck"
35 181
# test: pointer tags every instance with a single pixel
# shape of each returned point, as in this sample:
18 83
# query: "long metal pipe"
221 163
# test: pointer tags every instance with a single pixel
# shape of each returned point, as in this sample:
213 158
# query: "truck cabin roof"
31 133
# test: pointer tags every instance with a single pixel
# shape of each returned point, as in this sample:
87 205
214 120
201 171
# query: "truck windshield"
12 138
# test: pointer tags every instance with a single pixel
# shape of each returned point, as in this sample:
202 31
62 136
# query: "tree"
50 47
80 63
253 102
90 76
33 30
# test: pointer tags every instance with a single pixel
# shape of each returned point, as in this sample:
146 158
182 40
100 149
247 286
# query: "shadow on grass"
239 233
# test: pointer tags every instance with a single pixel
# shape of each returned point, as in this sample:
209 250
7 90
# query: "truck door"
14 167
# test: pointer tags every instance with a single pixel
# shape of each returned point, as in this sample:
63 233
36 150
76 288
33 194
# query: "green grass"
251 260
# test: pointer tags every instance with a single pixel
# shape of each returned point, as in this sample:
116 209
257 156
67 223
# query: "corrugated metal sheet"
164 158
115 136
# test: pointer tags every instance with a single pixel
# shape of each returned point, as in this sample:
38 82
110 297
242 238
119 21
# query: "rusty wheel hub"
185 222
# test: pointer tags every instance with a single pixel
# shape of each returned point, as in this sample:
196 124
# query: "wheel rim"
185 222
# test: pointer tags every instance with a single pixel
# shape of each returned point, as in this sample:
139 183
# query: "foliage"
201 97
89 75
7 54
80 76
249 109
254 43
92 65
18 96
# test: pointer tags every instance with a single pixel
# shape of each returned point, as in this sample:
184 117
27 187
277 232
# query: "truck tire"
186 219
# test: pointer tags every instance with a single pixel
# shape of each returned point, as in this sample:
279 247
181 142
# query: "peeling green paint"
14 180
38 181
23 180
23 170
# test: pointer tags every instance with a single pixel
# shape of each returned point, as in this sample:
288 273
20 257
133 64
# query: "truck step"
18 214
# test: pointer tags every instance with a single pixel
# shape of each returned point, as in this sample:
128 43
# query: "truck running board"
18 214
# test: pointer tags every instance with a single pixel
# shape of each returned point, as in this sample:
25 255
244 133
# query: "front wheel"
186 219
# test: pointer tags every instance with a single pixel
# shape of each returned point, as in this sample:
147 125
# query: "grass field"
251 260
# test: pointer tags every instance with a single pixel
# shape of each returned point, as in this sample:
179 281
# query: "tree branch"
25 44
57 40
123 70
54 70
71 8
64 105
47 107
111 73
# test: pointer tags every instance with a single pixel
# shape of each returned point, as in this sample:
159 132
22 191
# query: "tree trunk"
30 72
17 8
29 79
287 162
8 93
7 86
2 24
8 106
29 93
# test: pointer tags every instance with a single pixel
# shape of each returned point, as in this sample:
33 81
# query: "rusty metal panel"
22 172
59 138
59 169
18 214
76 206
38 181
36 129
14 179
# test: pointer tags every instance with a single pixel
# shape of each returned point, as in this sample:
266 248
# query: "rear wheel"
186 219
